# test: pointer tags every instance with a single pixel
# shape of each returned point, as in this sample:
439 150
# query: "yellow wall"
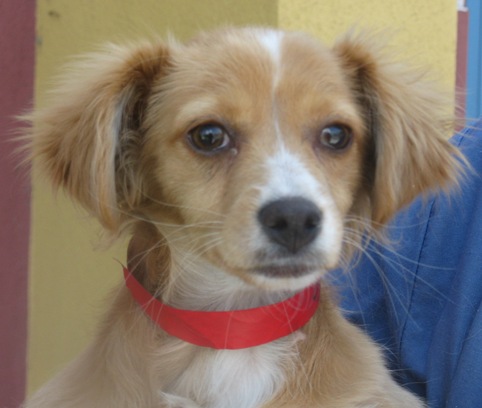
68 278
423 31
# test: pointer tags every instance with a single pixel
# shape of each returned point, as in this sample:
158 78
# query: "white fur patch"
288 177
236 378
271 41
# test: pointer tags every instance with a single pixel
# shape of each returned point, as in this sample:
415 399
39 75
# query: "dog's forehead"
256 67
248 54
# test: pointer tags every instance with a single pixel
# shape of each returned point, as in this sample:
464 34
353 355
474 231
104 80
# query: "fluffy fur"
118 137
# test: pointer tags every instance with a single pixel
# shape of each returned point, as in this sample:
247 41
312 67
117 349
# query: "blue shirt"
421 297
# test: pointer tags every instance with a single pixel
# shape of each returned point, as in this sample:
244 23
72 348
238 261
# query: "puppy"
245 164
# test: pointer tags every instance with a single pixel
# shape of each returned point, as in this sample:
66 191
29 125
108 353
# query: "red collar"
235 329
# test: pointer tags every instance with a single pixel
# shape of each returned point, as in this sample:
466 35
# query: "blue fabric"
421 300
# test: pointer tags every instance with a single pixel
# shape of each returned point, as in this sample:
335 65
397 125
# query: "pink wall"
17 48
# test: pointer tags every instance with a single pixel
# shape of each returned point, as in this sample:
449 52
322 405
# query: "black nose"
291 222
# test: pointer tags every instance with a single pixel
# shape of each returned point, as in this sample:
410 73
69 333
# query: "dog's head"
255 150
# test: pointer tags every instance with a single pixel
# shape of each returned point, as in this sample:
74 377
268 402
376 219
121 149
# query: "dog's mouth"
284 276
292 270
284 271
286 265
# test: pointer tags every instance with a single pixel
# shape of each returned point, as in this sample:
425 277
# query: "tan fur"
115 137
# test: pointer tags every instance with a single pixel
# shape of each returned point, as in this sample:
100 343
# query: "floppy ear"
88 138
408 123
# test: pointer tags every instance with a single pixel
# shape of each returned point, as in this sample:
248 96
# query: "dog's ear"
408 123
88 137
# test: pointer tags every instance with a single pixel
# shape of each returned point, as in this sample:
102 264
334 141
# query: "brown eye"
209 138
336 137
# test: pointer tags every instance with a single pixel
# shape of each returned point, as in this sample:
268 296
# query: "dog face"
263 151
254 150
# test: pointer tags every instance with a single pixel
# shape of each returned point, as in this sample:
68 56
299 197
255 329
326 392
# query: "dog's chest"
235 378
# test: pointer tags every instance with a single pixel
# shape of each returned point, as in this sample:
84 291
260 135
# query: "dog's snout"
292 222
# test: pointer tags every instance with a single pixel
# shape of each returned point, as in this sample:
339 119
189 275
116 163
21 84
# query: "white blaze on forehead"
272 40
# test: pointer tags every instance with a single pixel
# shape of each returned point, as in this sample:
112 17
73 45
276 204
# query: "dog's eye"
209 138
336 137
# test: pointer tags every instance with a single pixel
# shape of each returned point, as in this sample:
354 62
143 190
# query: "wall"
422 31
17 22
69 278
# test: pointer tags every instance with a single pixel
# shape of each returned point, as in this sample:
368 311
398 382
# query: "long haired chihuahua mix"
245 164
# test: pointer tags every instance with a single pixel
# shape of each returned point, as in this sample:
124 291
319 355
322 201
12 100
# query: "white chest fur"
236 378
